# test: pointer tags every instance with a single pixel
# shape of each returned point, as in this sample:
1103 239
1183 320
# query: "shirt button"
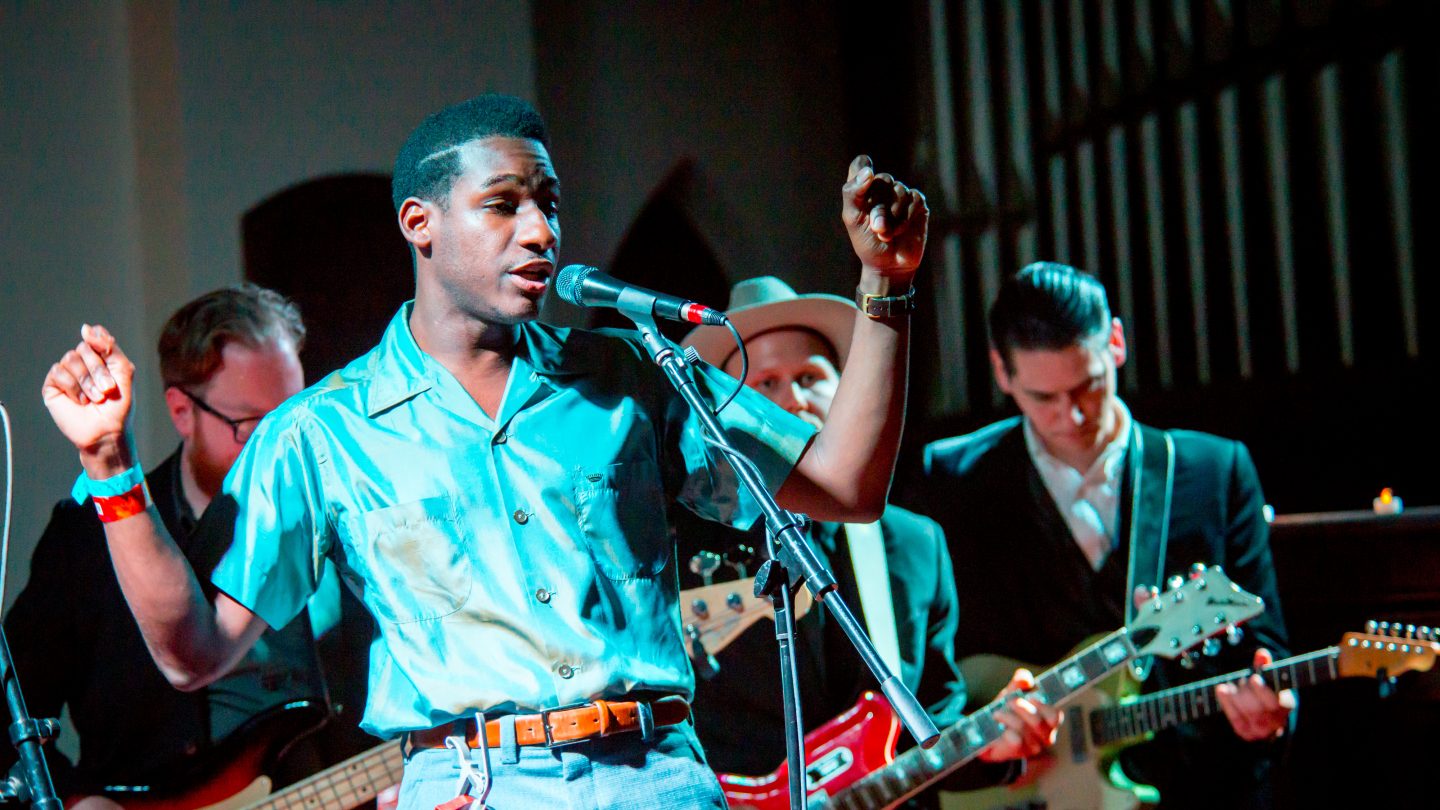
542 595
565 670
502 437
521 517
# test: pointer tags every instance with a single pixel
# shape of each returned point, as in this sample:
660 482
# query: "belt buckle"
545 724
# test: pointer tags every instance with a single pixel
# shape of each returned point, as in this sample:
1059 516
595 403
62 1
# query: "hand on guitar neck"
1030 726
1255 711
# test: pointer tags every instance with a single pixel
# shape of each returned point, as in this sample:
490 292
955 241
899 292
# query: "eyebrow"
547 182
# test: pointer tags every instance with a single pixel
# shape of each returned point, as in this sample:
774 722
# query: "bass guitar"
1082 773
851 762
232 775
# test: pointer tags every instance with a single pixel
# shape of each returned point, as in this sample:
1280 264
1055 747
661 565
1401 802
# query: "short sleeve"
271 502
762 431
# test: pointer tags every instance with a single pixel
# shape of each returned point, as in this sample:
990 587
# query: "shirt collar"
402 370
1106 466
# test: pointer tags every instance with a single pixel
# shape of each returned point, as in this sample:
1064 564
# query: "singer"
496 490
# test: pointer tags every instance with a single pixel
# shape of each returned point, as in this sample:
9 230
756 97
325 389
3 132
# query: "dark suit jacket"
1027 591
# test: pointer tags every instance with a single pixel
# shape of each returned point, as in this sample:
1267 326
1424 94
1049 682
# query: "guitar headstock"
714 615
1388 649
1193 609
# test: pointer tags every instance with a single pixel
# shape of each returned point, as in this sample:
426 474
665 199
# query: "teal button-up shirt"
513 563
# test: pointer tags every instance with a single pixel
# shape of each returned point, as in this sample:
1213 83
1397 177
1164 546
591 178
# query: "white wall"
135 136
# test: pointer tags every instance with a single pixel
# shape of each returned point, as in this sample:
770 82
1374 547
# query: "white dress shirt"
1089 502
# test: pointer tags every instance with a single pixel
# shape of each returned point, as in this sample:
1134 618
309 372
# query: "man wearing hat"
895 573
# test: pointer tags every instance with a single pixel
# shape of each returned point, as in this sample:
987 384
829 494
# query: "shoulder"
957 455
907 525
1196 448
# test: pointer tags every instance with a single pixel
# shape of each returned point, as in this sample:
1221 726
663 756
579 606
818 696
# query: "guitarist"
1052 543
227 358
795 344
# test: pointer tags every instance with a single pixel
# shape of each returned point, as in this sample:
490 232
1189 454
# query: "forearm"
179 624
845 474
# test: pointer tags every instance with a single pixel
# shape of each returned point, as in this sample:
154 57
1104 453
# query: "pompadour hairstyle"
429 162
1047 306
193 339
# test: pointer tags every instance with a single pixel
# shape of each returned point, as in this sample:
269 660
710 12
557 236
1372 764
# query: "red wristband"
118 507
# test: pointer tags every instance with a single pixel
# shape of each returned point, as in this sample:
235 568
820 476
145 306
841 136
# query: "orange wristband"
127 504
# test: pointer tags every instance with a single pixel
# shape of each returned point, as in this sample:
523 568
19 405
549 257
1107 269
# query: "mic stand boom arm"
797 561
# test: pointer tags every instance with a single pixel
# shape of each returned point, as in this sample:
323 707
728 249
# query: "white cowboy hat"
766 303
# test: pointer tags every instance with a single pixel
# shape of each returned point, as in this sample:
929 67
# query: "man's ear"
182 412
414 219
1002 377
1117 342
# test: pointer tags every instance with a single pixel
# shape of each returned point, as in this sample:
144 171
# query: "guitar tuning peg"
1427 633
1211 647
1174 582
706 563
705 664
738 558
1197 570
1409 631
1187 660
1372 626
1384 628
1233 634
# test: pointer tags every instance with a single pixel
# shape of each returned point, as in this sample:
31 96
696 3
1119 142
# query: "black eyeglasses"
242 428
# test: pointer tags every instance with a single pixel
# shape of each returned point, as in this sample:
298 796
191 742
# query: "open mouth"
533 277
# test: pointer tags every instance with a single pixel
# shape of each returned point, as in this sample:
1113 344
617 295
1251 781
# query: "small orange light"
1387 495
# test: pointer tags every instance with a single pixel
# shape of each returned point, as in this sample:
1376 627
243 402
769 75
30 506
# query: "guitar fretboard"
958 744
346 785
1193 701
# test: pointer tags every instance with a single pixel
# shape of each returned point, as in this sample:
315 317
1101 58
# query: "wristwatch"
885 306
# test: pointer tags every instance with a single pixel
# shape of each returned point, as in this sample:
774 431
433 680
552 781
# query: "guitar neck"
346 785
1193 701
913 770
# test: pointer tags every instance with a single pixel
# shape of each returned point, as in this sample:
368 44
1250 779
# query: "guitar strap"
872 580
1152 488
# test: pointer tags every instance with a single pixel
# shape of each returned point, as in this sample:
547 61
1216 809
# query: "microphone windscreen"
570 281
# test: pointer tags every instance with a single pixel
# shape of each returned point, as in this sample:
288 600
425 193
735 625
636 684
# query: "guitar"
851 760
232 776
1081 772
712 616
231 767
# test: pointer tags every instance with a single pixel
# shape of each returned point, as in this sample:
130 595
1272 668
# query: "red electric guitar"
851 762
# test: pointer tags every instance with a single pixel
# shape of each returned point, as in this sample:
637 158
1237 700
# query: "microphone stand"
29 780
793 563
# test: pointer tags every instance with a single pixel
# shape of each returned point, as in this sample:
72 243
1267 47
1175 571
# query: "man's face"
795 369
1068 394
490 252
248 383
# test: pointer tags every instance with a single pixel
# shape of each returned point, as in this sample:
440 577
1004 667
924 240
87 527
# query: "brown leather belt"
558 726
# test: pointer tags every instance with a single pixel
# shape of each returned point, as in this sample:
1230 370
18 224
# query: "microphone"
586 286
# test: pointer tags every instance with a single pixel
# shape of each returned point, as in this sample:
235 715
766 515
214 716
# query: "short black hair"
1047 306
429 162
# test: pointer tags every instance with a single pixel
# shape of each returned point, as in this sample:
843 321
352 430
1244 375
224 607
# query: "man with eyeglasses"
227 359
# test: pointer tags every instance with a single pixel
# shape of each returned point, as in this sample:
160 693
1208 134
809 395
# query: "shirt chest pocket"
419 560
621 511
